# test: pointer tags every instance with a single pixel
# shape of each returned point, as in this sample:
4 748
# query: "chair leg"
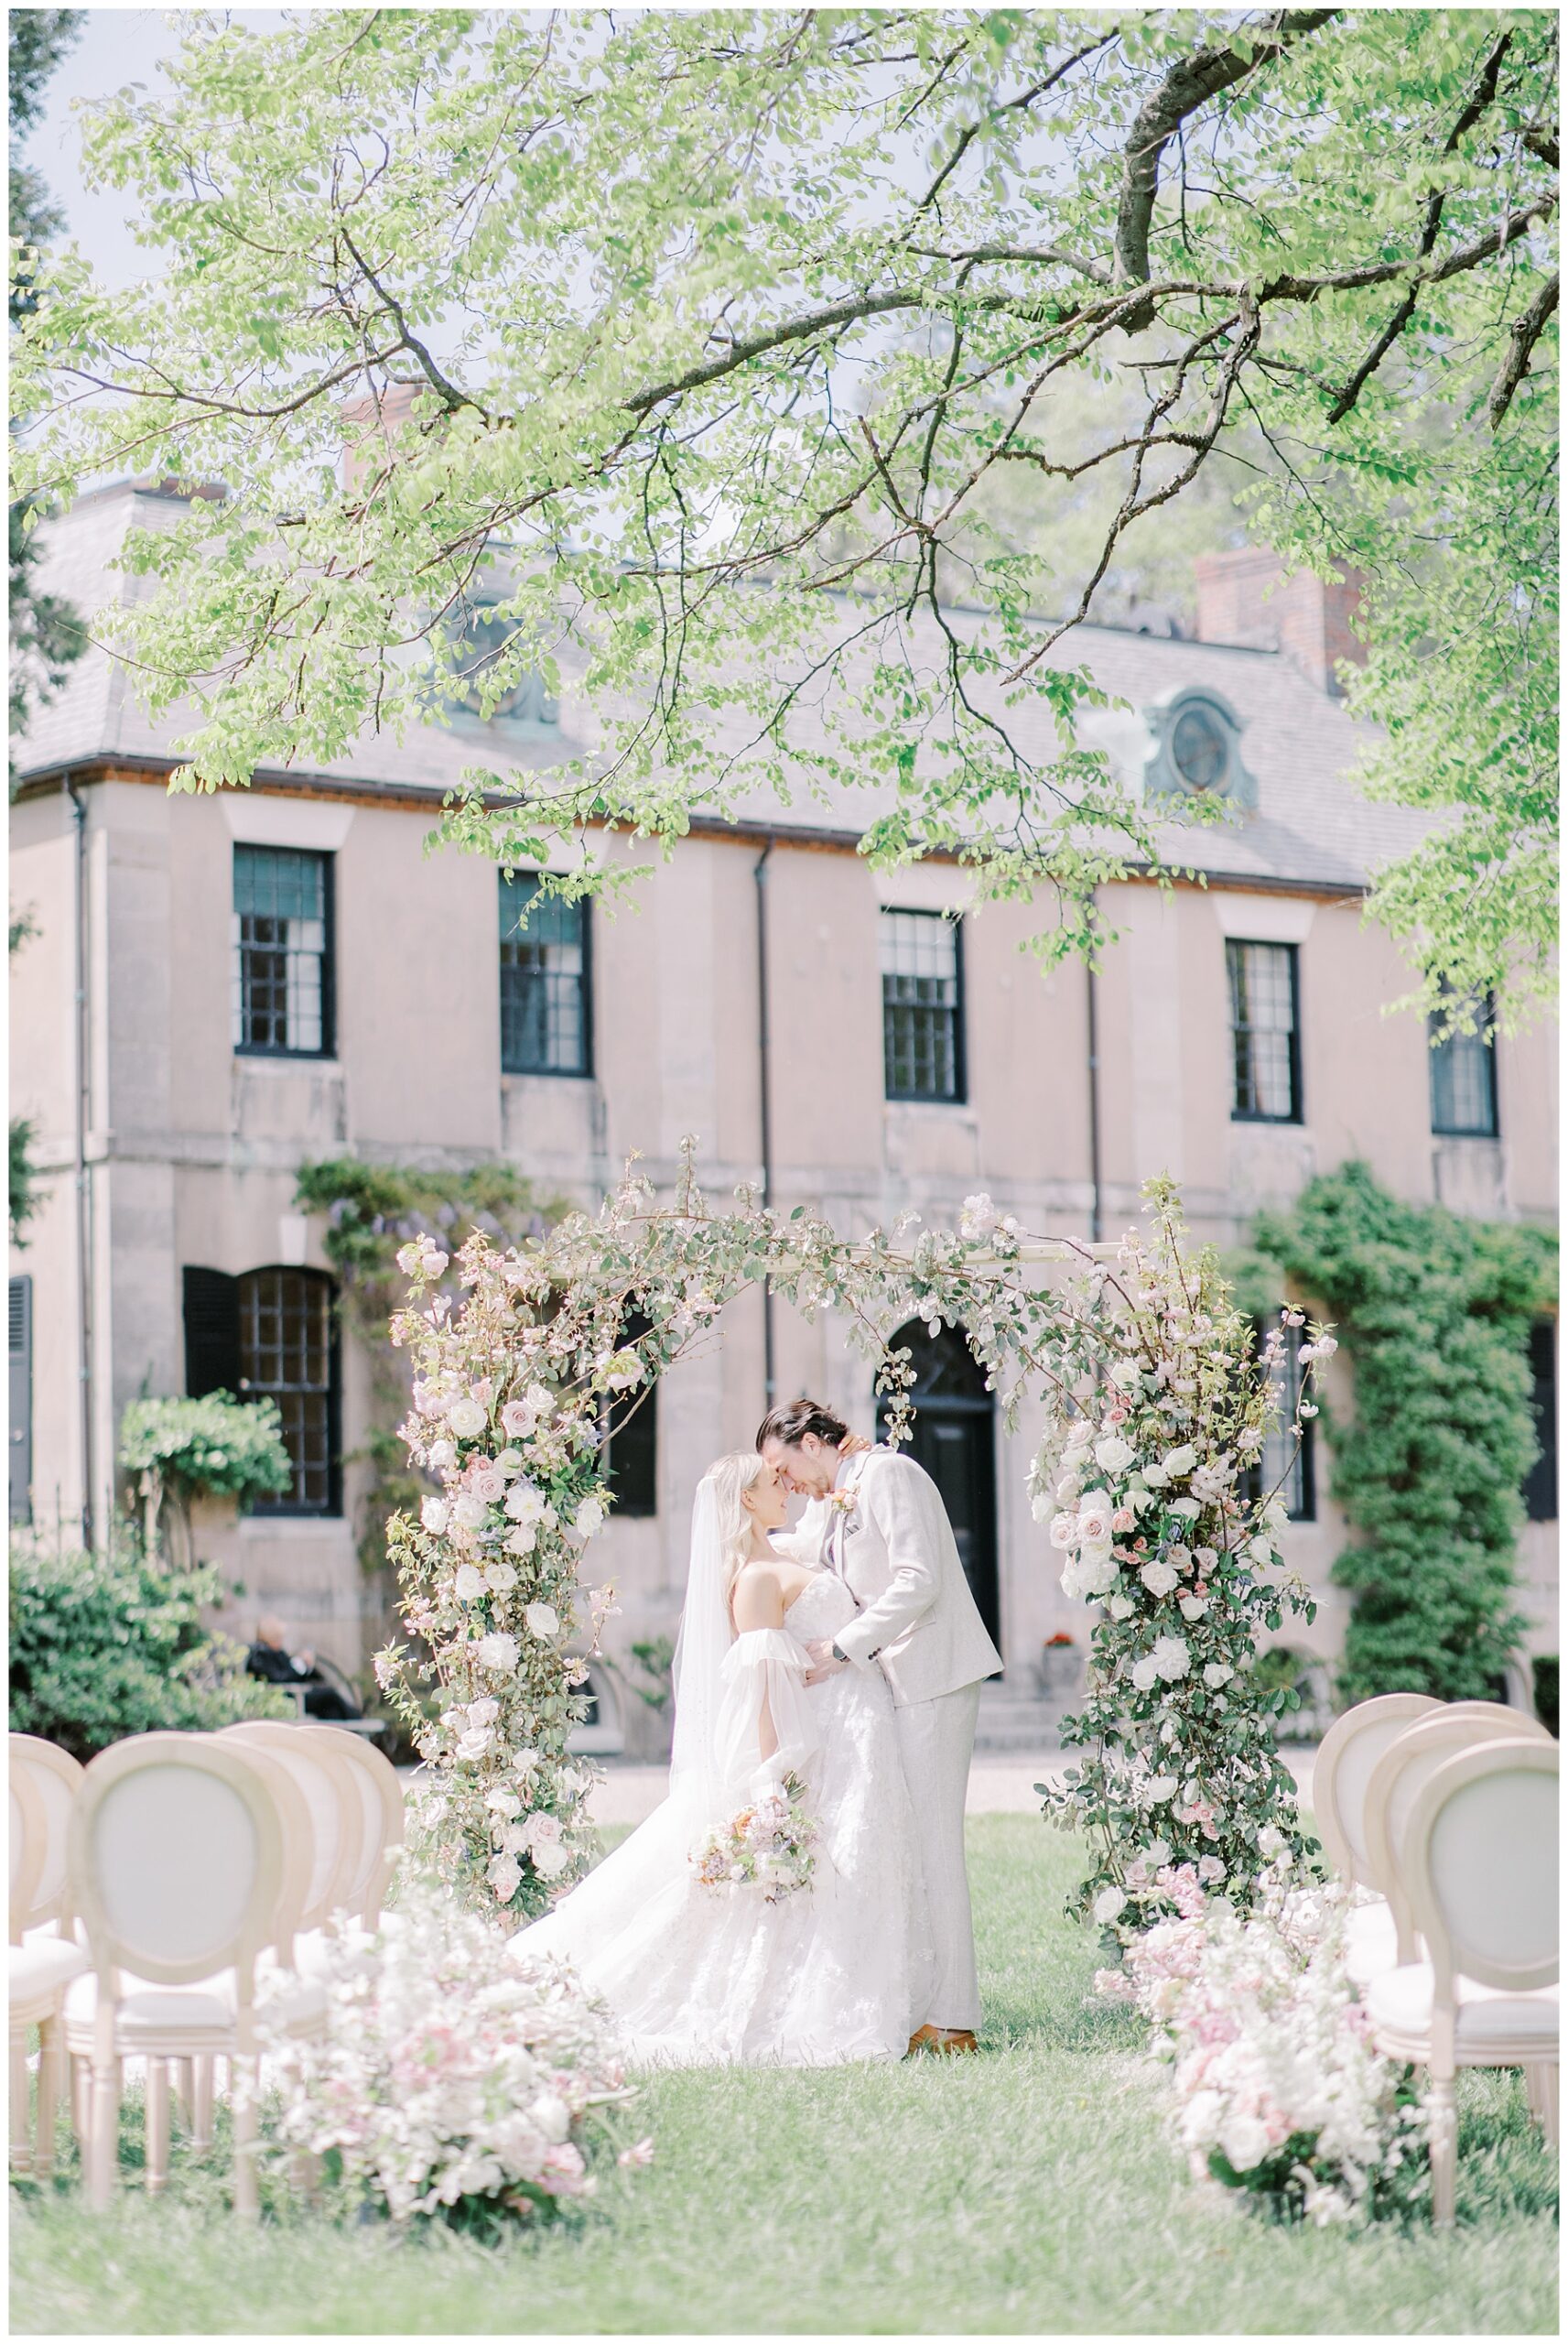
1532 2091
180 2072
103 2135
81 2103
48 2096
1548 2082
243 2094
21 2127
1444 2152
202 2104
157 2125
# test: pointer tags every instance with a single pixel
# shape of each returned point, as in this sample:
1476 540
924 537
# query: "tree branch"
1186 88
1522 338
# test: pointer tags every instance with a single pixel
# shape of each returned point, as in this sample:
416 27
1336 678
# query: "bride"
697 1974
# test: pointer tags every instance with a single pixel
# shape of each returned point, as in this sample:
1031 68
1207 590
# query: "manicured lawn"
1030 2189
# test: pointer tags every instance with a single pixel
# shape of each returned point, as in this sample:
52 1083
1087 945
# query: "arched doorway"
954 1439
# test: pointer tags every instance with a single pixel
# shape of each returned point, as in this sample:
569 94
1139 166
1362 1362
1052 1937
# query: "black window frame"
1486 1040
583 907
1260 1477
960 1095
329 1044
1540 1483
1235 945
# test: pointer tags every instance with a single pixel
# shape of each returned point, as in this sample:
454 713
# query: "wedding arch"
1148 1487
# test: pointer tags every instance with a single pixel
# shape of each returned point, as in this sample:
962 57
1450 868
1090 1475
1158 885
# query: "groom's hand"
823 1662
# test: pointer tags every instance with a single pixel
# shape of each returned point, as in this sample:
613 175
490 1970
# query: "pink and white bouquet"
769 1845
454 2078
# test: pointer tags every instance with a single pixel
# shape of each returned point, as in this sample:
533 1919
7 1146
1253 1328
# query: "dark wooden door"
954 1440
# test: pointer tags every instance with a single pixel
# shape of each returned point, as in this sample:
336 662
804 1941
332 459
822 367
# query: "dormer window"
1197 750
484 681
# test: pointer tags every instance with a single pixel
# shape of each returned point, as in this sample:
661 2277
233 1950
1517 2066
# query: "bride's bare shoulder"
757 1599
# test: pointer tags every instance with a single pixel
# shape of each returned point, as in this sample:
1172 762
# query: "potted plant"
1061 1665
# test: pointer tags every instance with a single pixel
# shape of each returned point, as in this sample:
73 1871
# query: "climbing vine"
1437 1313
368 1210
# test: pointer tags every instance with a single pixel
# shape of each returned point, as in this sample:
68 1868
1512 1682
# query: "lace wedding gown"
839 1970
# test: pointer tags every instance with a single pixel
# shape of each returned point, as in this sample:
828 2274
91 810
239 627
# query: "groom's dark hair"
792 1422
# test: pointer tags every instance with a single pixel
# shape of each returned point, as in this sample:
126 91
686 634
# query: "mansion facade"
219 989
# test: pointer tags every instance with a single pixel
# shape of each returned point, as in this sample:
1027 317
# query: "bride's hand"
852 1444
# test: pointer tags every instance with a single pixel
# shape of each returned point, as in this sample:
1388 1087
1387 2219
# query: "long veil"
702 1645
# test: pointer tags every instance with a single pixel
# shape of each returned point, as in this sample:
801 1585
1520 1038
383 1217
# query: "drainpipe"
83 1178
764 1085
1097 1194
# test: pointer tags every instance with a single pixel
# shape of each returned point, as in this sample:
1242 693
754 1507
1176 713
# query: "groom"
881 1526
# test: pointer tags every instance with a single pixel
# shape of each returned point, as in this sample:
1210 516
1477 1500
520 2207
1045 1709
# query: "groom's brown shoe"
941 2039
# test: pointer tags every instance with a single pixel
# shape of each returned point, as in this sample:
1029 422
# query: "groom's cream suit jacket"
892 1544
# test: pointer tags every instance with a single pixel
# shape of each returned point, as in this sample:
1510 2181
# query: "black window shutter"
21 1425
1541 1485
212 1333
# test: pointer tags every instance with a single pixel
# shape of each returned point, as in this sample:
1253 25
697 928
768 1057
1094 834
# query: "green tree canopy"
750 367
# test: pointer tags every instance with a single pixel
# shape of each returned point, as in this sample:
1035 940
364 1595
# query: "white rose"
1068 1582
483 1713
488 1485
1158 1578
1208 1559
499 1652
433 1515
503 1800
469 1513
442 1454
1080 1432
1064 1531
542 1827
1260 1552
1217 1673
525 1760
1271 1841
509 1461
552 2116
1145 1674
1244 2139
1155 1476
1113 1455
1125 1373
1192 1607
1110 1905
1068 1488
467 1418
1188 1508
588 1518
550 1858
1098 1571
1157 1854
504 1873
500 1577
474 1744
543 1619
1095 1510
1276 1515
1120 1606
524 1502
1158 1790
1200 2118
1180 1558
1171 1658
1178 1462
524 1540
469 1586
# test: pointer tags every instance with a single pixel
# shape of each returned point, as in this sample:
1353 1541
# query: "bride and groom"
848 1655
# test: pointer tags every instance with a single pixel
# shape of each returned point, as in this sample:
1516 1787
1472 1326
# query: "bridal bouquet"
452 2081
768 1845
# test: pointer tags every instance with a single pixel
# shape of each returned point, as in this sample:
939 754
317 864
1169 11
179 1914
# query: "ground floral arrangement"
1279 2090
1159 1409
452 2081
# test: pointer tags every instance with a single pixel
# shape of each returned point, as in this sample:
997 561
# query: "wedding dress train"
839 1970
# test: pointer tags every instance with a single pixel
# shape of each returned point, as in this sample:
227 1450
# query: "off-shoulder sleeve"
764 1664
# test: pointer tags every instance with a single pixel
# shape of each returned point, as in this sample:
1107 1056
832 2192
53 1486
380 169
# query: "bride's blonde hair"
730 1478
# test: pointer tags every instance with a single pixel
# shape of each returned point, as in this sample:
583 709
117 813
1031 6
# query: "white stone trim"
1261 919
260 820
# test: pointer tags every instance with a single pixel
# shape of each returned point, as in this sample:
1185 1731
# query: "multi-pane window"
545 1021
923 1005
1465 1080
288 1354
1282 1466
21 1425
1264 1033
282 947
1541 1488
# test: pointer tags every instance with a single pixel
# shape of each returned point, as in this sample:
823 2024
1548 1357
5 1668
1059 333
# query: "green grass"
1030 2189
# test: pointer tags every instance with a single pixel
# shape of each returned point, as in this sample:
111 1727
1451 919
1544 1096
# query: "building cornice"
409 796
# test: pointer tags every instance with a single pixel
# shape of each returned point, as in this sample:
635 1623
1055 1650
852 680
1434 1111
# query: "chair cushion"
153 2011
43 1968
1399 2003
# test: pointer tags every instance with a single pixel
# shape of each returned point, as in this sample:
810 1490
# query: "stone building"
282 975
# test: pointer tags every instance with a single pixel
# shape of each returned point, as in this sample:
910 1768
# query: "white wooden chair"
43 1955
382 1814
1480 1861
1397 1780
188 1855
321 1773
1350 1749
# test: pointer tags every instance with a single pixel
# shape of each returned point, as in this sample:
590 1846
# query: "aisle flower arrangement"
1279 2090
453 2082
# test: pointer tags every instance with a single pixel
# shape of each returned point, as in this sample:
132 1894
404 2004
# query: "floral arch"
1158 1403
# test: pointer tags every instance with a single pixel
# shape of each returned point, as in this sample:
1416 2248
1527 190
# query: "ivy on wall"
368 1212
1435 1314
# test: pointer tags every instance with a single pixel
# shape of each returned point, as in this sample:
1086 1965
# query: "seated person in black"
270 1659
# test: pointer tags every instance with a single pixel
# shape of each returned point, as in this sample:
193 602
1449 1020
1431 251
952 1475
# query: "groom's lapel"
838 1522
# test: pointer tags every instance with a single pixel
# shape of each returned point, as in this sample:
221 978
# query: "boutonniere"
844 1501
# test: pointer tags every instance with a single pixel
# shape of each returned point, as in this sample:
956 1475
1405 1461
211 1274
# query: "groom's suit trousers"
936 1740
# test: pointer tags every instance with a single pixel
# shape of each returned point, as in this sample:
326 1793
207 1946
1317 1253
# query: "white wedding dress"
839 1970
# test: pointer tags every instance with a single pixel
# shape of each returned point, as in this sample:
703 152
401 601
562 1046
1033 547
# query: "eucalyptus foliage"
737 368
520 1372
1437 1313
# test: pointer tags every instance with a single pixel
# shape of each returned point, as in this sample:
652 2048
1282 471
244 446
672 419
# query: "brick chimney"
1306 616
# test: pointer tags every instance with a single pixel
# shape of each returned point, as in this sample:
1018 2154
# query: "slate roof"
1311 825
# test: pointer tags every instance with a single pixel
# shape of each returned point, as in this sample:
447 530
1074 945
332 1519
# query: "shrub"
113 1643
214 1447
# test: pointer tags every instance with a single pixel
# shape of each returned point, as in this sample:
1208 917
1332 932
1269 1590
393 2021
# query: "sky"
115 45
